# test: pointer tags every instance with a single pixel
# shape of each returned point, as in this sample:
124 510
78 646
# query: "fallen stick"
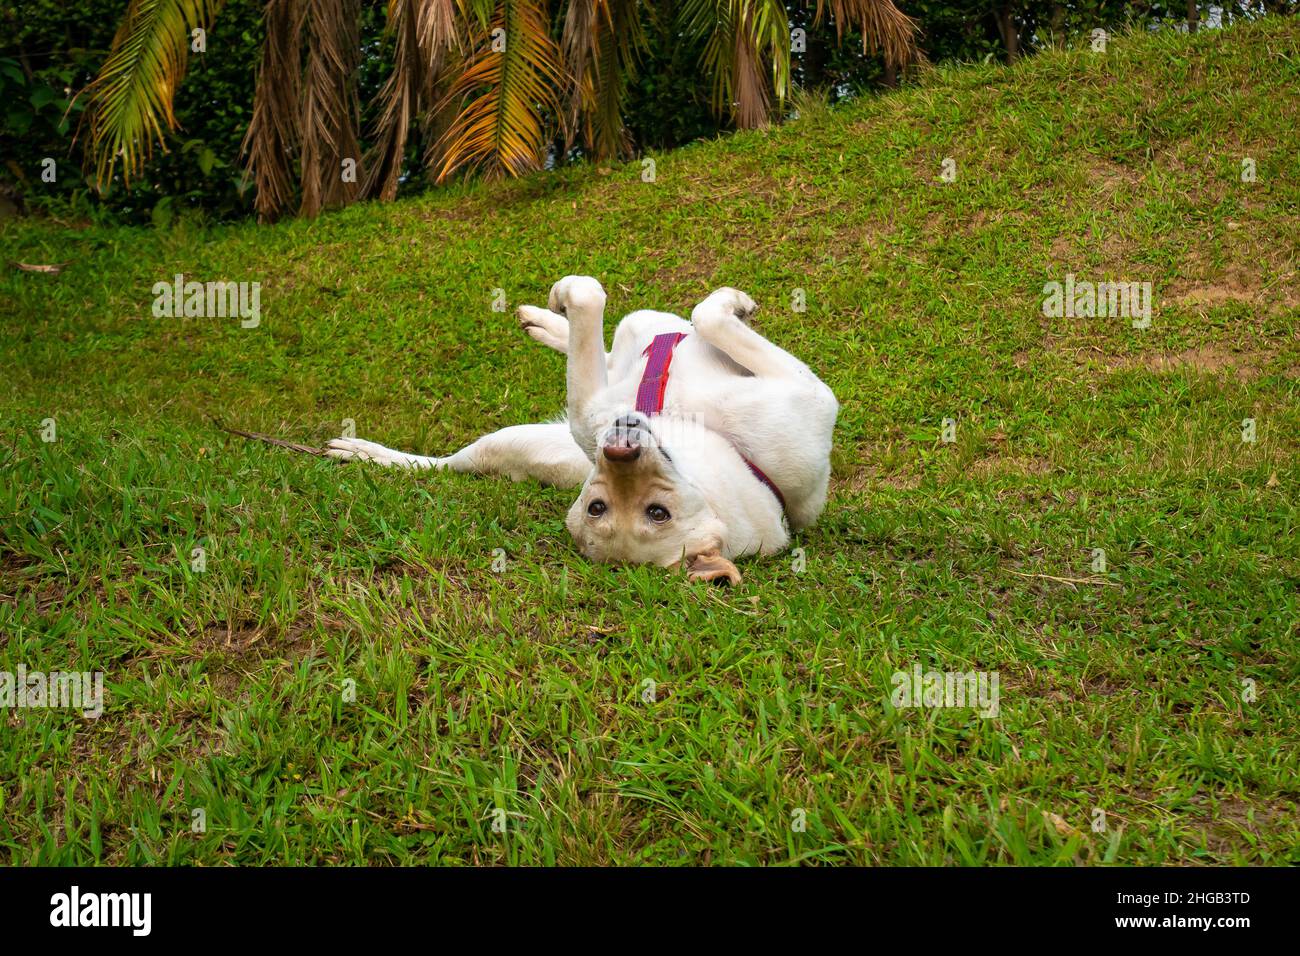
278 442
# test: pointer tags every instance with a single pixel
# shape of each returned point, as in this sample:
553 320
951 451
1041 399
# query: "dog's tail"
278 442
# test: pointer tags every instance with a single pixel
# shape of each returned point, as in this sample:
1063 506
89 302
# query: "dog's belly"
706 386
783 425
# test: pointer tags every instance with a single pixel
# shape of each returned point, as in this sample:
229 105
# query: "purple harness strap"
654 381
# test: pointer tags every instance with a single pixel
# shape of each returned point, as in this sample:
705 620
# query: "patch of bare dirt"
1235 284
1205 296
1110 177
1115 251
1010 465
1227 817
1214 360
866 478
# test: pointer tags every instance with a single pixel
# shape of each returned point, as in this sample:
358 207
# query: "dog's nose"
623 440
622 452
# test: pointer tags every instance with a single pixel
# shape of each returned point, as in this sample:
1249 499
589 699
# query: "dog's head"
644 502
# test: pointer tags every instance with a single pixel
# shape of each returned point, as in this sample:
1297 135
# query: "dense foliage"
50 51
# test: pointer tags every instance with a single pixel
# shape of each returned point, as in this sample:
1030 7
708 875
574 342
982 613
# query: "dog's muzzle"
623 440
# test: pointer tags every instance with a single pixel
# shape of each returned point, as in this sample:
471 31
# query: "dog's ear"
711 566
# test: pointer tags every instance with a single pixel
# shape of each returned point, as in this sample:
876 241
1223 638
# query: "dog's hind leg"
358 449
546 453
543 452
722 320
545 326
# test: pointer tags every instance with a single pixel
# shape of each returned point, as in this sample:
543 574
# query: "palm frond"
601 42
329 104
130 101
272 138
437 114
438 24
883 26
399 96
502 97
743 35
423 32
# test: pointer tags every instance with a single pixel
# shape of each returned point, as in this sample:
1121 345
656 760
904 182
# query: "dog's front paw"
530 316
544 326
358 449
727 302
581 293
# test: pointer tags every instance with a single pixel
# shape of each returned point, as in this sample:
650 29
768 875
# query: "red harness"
654 381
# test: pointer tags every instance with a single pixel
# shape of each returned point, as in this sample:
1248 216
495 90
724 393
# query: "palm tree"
484 82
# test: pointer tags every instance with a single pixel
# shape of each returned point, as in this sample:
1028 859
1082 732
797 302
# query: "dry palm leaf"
502 95
271 141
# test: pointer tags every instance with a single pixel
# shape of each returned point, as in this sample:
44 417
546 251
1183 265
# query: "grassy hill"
1161 690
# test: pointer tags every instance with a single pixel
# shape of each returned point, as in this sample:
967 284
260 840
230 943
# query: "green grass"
522 689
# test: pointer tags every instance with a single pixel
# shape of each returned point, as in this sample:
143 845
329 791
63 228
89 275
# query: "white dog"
693 442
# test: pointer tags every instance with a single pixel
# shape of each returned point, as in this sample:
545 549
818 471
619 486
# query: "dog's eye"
596 508
658 514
